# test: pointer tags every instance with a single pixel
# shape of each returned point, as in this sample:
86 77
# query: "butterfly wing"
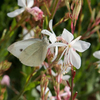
17 47
34 54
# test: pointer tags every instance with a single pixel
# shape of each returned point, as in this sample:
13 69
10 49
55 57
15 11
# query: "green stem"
55 8
71 84
22 91
15 27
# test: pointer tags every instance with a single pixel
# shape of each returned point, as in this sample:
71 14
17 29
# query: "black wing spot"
21 49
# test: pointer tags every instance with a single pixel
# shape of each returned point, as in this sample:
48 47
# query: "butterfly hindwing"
34 54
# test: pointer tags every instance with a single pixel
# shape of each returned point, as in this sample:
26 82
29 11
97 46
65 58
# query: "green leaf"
31 85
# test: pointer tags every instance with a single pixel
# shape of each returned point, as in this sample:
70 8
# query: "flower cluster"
71 58
26 6
62 48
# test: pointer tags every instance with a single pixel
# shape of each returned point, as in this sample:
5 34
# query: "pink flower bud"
36 12
5 80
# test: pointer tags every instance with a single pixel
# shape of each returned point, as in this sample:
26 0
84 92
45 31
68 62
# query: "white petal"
75 59
38 88
46 32
25 31
53 73
96 54
66 35
50 25
66 77
15 13
60 62
56 53
30 3
68 69
47 89
52 38
81 46
57 44
22 3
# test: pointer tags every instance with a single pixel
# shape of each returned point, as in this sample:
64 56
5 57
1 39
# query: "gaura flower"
71 56
66 94
21 3
61 75
53 39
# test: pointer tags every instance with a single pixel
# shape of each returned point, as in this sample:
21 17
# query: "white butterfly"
31 52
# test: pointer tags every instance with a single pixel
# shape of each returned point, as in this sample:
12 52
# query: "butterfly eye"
21 49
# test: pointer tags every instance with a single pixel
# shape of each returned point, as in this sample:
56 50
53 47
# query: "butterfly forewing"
18 47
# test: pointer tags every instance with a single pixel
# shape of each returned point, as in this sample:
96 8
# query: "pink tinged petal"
66 35
96 54
22 3
56 53
75 59
46 32
81 46
67 89
59 44
66 77
52 38
16 12
64 94
75 40
30 3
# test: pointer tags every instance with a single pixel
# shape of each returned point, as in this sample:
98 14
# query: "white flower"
52 37
71 56
27 35
97 54
63 71
47 89
21 3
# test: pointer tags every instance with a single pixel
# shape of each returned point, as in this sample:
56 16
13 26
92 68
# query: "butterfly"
31 52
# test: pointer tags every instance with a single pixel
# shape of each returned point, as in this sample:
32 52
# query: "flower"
27 35
53 39
66 94
5 80
61 75
47 89
71 57
36 12
97 54
21 3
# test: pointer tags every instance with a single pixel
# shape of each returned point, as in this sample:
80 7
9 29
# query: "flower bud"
5 80
77 9
36 12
